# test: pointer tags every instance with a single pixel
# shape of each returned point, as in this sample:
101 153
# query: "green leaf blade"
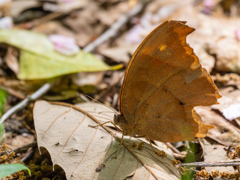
8 169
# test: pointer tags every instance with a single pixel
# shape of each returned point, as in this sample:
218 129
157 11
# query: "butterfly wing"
163 82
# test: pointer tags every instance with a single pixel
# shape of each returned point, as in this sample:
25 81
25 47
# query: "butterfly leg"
106 123
119 147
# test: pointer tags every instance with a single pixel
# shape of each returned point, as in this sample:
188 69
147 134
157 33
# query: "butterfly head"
121 121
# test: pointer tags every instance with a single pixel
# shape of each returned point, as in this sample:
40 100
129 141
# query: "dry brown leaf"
19 6
11 60
214 153
84 78
80 149
18 141
230 96
223 132
121 53
227 53
84 25
64 6
110 15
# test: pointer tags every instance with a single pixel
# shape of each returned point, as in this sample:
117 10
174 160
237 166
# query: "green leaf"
190 157
1 131
39 60
8 169
3 99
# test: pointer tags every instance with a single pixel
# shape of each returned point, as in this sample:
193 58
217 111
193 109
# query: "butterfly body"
163 82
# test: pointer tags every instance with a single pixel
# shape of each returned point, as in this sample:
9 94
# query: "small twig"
25 147
48 17
170 146
115 27
26 101
209 164
28 155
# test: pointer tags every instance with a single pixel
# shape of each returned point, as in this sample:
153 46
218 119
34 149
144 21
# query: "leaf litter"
215 42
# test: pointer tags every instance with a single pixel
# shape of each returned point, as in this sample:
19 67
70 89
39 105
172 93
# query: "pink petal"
64 45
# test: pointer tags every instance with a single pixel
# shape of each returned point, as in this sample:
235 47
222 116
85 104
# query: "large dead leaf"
88 153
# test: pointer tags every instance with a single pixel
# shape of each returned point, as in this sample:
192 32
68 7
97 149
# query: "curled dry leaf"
88 152
230 96
223 132
84 78
213 153
227 54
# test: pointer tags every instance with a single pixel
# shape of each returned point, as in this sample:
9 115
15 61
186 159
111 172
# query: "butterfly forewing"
163 82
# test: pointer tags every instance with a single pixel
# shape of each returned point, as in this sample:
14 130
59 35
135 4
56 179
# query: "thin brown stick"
211 164
170 146
106 123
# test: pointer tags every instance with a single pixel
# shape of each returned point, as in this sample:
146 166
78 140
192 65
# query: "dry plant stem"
106 123
115 27
25 147
26 101
47 18
180 157
109 131
28 155
108 34
213 164
175 150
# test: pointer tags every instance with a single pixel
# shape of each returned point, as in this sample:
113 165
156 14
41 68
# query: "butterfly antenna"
99 103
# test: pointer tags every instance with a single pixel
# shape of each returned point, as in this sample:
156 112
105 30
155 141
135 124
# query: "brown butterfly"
164 81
